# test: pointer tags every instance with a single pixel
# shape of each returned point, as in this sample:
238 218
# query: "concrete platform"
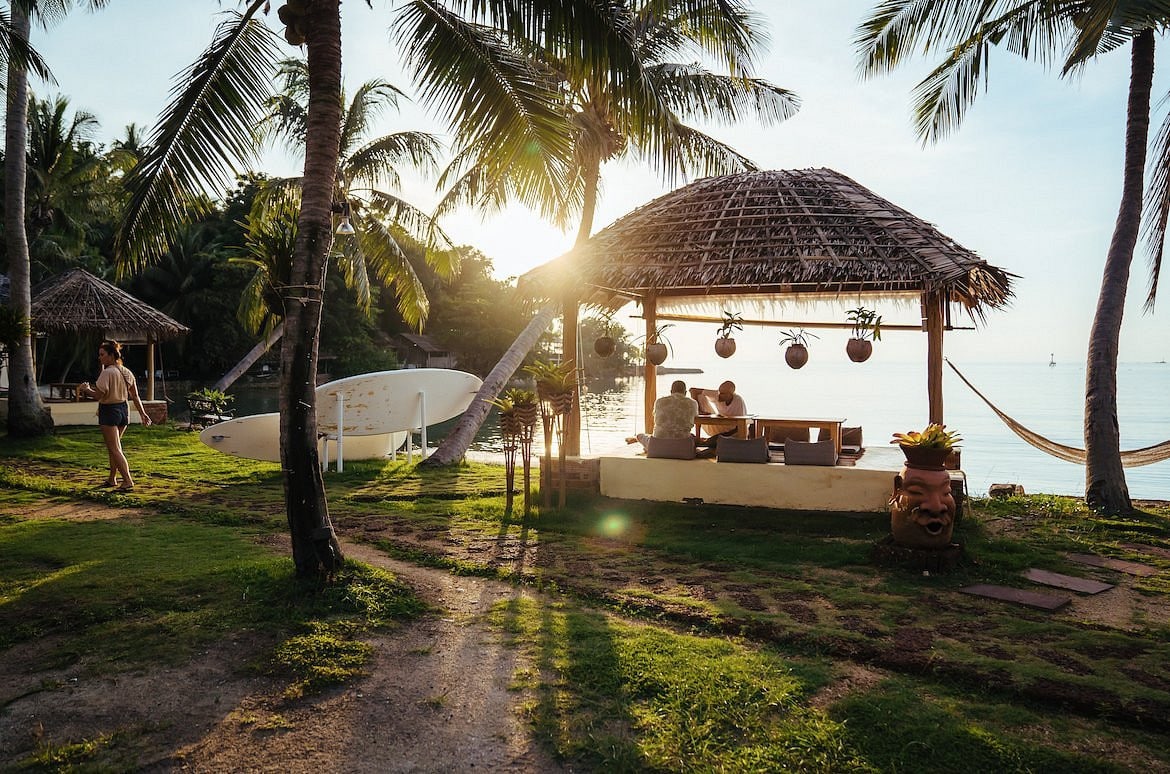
863 487
84 412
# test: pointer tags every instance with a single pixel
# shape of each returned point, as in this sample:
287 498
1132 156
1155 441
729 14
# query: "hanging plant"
867 328
796 355
725 345
657 345
605 345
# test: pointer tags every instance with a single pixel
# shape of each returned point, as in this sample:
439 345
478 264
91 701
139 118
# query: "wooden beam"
795 324
934 304
150 368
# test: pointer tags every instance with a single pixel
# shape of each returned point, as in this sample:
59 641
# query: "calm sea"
888 397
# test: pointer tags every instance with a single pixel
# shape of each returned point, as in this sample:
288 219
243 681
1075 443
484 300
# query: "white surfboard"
389 401
257 437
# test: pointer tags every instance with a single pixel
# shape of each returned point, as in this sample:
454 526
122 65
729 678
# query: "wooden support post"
650 312
150 368
570 322
934 304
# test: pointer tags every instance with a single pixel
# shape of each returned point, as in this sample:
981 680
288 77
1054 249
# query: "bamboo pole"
650 311
933 307
798 324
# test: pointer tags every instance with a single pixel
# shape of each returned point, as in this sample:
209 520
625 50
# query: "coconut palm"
207 133
1047 30
65 173
606 121
27 415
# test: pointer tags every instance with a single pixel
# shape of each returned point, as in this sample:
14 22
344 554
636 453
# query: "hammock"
1130 459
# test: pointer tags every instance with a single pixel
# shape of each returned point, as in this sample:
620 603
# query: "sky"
1030 181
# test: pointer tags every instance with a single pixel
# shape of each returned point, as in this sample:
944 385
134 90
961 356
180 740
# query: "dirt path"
438 696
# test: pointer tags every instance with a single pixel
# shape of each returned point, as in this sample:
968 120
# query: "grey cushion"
671 448
728 449
809 452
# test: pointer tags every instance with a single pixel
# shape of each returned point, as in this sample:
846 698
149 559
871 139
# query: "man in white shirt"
724 402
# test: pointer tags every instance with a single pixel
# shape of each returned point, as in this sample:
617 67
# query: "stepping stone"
1142 548
1070 582
1037 599
1130 568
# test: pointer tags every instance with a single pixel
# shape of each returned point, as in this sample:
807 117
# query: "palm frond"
391 209
692 91
392 267
500 102
205 136
1157 207
15 51
367 104
379 160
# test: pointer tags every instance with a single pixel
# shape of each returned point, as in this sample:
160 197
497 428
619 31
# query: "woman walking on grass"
113 387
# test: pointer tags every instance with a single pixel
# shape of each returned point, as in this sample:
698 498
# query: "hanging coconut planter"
657 346
796 353
867 328
605 345
725 345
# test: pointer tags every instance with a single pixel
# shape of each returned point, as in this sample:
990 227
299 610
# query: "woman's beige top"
113 384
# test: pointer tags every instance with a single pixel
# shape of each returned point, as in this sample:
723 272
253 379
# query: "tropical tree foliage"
1072 33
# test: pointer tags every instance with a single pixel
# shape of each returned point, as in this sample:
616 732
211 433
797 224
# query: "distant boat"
1052 360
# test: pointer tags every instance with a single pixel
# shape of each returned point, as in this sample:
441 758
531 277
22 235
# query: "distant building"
415 350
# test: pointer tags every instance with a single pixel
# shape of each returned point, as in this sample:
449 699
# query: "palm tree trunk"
27 415
1105 487
254 354
314 544
453 448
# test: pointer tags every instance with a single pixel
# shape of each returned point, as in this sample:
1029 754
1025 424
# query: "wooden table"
64 391
799 427
740 423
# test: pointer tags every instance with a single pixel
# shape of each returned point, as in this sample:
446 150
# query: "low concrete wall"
771 485
84 412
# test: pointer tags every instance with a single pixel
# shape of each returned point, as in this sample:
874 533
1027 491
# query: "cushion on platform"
670 448
809 452
730 449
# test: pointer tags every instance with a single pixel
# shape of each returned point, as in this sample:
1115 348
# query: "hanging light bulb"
344 228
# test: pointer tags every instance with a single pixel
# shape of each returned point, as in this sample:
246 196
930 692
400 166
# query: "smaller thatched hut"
77 302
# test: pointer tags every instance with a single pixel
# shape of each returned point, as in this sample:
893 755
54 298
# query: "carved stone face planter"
922 509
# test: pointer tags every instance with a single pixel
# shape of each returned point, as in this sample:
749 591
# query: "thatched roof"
77 302
774 232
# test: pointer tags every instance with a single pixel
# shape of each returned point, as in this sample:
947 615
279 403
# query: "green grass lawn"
675 638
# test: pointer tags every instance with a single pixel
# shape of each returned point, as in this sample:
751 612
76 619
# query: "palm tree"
606 121
1044 30
27 415
65 172
207 132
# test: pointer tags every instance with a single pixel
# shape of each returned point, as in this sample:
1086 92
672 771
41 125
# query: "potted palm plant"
555 383
796 354
867 328
657 345
929 449
725 345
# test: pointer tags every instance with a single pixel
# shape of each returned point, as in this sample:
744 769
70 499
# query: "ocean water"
887 397
891 397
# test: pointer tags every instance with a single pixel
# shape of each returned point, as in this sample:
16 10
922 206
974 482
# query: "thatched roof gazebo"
788 235
79 302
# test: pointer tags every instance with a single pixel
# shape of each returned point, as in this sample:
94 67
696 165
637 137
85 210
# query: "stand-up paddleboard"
389 401
257 437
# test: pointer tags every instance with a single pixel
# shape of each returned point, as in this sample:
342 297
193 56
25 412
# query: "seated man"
724 402
674 415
